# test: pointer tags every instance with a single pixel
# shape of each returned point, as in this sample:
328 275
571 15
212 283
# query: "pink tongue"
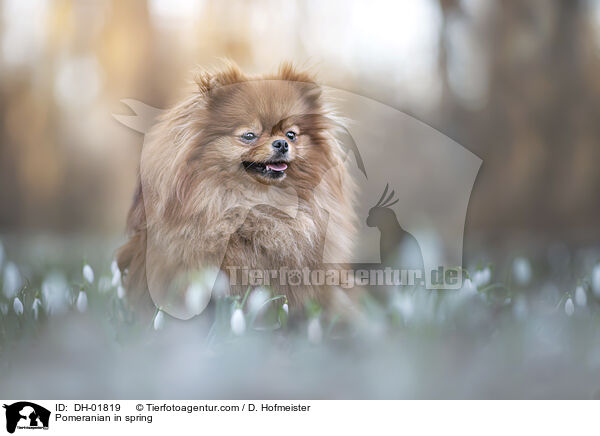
277 166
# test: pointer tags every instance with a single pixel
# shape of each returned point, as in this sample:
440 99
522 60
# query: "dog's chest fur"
271 241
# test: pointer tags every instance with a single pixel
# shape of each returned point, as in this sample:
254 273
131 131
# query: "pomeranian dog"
216 177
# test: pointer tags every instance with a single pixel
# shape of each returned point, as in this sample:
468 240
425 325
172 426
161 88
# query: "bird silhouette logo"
398 249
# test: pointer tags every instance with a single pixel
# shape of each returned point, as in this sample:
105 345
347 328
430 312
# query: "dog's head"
272 129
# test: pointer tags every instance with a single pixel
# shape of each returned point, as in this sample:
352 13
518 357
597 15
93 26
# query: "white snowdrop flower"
580 296
116 277
82 301
116 273
238 322
114 266
221 284
121 292
482 277
104 284
315 333
197 297
4 308
519 308
88 273
215 281
18 306
257 299
487 275
55 293
35 307
596 280
12 280
285 308
159 320
521 270
404 304
569 307
468 287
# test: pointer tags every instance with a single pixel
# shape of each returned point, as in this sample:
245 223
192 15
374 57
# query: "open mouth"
273 170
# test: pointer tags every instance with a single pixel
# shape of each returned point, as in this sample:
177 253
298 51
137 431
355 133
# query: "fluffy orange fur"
197 206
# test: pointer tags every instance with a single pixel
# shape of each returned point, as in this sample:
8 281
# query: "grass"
519 328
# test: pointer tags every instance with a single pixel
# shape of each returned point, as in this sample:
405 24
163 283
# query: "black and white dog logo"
26 415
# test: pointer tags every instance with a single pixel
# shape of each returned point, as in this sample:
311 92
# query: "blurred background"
516 83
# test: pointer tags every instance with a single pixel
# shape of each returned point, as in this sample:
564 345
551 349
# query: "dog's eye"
291 135
249 136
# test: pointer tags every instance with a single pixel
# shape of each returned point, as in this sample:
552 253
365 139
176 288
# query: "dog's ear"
208 81
304 80
287 71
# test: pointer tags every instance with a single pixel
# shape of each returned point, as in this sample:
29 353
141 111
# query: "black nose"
280 145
